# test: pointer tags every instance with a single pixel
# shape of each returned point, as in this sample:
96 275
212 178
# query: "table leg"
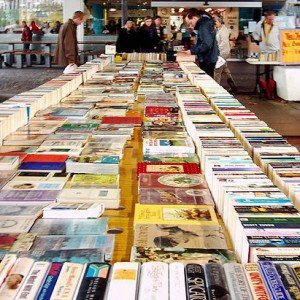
257 74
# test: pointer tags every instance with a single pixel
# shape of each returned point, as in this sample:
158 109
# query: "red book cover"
45 158
21 155
168 168
122 120
153 111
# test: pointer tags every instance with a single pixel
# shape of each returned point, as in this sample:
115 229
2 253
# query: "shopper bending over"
127 39
66 52
224 48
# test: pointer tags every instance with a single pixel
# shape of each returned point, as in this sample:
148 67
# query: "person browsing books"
206 47
66 52
148 36
127 39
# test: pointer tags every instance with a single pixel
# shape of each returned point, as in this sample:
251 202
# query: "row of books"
261 220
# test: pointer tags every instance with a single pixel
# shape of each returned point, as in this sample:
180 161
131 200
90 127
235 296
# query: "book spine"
50 281
6 264
195 282
154 282
33 281
94 281
237 281
273 282
177 281
256 283
125 277
216 282
289 280
67 281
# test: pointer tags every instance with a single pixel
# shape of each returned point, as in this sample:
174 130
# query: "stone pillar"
124 9
69 7
98 18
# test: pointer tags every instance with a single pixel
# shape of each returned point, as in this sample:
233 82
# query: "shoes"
232 86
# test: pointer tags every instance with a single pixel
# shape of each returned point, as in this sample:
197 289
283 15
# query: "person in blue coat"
206 47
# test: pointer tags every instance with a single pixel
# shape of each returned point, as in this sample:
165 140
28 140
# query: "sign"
290 46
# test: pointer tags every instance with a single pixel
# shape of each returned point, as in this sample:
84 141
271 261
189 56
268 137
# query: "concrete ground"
281 115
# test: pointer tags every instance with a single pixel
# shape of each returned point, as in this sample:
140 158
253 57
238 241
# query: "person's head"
148 21
14 280
219 21
192 17
57 23
270 17
129 24
78 17
157 20
24 24
47 25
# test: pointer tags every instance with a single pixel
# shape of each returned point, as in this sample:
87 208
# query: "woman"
224 47
148 37
36 35
127 39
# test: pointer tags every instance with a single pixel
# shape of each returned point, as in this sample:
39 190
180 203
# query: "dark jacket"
148 39
206 48
66 51
127 41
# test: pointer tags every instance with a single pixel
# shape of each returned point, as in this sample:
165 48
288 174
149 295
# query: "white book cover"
16 278
37 185
177 285
154 282
67 281
5 265
61 144
20 210
15 224
124 278
33 281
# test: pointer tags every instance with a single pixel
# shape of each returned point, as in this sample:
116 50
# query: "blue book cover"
50 281
272 280
43 166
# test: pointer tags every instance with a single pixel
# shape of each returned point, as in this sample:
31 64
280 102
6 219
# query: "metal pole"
124 8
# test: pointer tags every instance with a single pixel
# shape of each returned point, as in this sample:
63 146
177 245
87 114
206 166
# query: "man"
267 33
206 48
66 52
26 35
161 32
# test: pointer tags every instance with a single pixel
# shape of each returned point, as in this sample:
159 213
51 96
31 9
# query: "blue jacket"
206 48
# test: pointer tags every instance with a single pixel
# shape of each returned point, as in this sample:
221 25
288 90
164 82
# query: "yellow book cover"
95 180
175 214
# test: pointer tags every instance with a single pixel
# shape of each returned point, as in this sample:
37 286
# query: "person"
161 32
267 33
147 36
127 39
186 35
66 51
224 48
206 47
46 28
26 35
110 28
36 35
8 28
56 28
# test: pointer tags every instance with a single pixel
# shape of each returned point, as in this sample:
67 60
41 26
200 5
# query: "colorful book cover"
175 196
70 226
173 168
16 242
15 225
122 120
100 180
42 166
175 215
25 196
172 180
45 158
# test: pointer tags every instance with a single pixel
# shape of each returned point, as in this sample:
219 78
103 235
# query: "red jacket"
26 34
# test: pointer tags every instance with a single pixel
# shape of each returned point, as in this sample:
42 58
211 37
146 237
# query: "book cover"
70 226
67 282
195 281
43 166
51 278
216 282
155 181
125 277
15 225
33 281
21 210
122 120
45 158
94 281
175 215
185 236
100 180
25 196
15 242
177 281
175 196
5 265
154 281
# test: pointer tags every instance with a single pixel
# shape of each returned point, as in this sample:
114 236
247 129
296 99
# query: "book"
154 281
70 226
8 163
15 242
125 277
5 265
15 224
36 158
177 289
33 281
137 121
95 180
94 281
36 197
73 210
21 210
195 281
185 236
67 282
51 278
16 278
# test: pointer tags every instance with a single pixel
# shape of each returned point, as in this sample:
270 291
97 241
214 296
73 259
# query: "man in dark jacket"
206 47
66 52
127 40
148 38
